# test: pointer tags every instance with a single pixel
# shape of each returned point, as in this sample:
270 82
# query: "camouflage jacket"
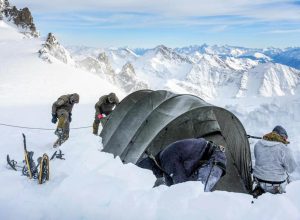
63 102
103 106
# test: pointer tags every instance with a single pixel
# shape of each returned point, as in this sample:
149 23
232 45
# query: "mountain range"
207 71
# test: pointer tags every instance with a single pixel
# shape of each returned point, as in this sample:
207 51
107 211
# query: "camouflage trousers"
63 123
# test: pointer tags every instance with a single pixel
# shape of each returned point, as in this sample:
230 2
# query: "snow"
269 80
8 33
91 184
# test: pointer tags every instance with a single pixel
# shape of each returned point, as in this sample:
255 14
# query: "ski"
44 169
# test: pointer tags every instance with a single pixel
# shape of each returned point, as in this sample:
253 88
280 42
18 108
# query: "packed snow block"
148 121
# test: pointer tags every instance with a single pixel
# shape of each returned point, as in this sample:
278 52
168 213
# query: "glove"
70 117
54 118
100 116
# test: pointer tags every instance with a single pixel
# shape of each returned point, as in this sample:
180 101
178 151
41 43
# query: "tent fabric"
147 121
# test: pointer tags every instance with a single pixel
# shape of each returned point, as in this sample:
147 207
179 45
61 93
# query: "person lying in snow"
273 160
188 160
103 108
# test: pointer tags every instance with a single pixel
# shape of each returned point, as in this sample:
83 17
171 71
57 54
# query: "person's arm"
288 160
60 101
179 176
97 108
98 105
117 101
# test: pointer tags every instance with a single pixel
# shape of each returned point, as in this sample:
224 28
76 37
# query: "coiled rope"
35 128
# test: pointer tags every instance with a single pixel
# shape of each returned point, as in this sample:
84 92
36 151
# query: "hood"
269 143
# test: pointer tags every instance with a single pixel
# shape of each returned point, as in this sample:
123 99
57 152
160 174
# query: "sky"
174 23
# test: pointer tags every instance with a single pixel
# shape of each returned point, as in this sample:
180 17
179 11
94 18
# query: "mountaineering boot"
63 135
95 128
59 132
258 191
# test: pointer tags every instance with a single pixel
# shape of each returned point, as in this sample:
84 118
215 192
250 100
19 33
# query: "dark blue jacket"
182 158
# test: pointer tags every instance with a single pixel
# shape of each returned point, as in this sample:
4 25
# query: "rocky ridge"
22 18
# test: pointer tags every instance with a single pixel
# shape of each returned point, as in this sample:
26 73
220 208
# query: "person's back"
188 160
188 152
273 160
103 108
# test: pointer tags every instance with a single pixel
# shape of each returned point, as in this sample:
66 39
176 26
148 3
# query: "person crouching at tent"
273 160
188 160
103 108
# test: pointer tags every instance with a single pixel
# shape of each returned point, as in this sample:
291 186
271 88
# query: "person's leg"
63 124
273 188
96 125
209 175
66 129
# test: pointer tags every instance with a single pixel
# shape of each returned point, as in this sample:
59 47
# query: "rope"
35 128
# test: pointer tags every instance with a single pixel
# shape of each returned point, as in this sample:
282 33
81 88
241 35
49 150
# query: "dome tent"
147 121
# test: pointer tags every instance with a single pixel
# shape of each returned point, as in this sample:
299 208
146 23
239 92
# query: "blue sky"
174 23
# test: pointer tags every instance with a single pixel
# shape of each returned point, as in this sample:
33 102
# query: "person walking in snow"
188 160
273 160
103 108
62 110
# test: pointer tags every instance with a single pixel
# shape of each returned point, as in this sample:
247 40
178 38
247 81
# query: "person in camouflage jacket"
62 110
103 108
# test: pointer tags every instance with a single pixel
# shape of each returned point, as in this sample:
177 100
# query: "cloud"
283 31
256 9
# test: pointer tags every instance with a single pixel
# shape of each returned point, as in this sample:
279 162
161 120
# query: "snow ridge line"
34 128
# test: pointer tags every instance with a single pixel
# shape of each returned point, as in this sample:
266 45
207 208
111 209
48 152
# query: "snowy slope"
9 33
21 68
269 80
91 184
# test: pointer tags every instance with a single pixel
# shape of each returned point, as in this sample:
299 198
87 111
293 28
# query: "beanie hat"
281 131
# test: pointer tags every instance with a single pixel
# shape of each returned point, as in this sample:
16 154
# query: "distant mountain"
289 57
269 80
206 71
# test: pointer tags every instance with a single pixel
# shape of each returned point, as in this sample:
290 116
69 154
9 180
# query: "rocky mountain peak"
128 67
3 5
51 40
52 49
170 54
102 57
22 18
128 80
